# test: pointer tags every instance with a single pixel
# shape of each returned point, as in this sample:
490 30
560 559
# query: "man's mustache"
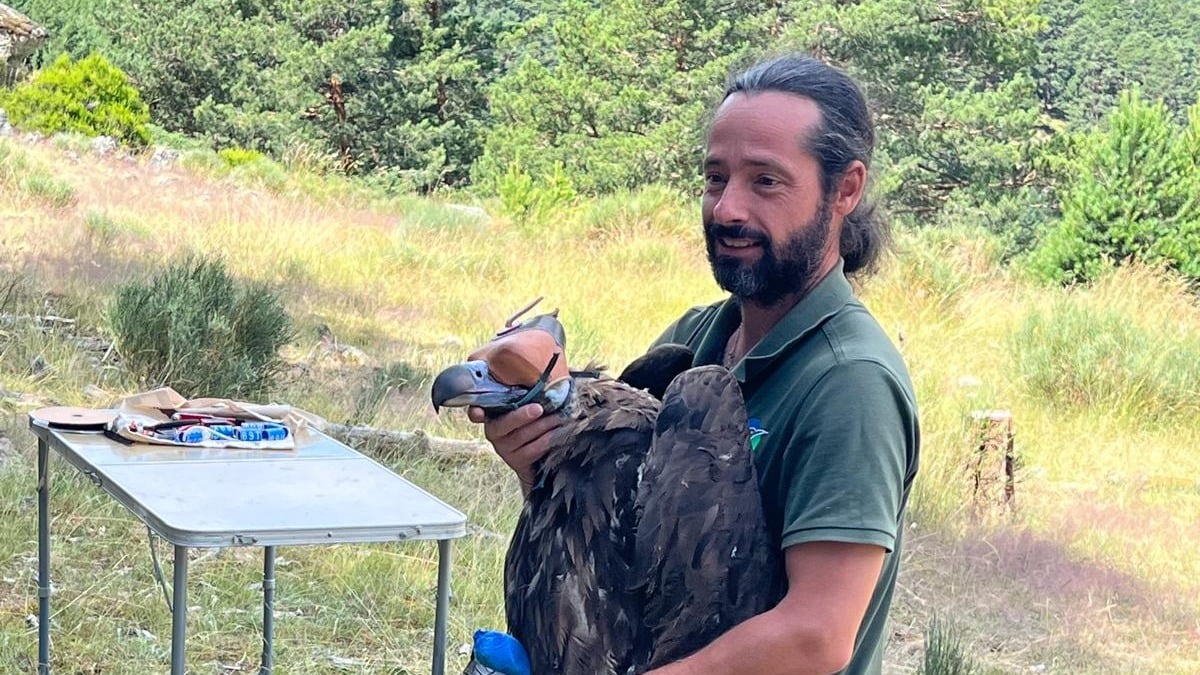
714 230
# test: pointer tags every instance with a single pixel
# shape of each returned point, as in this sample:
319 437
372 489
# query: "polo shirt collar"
825 300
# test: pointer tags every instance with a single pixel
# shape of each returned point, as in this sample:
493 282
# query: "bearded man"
833 417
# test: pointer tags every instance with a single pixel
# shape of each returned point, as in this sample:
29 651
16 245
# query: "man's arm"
812 630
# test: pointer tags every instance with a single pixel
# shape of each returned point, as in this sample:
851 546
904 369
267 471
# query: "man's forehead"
763 117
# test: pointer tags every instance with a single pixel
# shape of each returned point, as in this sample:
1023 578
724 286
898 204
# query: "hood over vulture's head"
524 363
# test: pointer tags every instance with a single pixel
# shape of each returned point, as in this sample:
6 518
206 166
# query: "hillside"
1092 570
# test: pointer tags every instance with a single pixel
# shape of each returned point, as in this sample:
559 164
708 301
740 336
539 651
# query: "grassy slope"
1094 572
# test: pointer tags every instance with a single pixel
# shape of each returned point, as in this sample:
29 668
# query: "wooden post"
993 466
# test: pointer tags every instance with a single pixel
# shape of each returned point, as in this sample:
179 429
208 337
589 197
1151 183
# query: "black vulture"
643 537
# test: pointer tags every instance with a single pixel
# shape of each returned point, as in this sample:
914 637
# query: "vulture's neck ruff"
523 364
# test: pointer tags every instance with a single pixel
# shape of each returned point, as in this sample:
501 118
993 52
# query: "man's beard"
775 275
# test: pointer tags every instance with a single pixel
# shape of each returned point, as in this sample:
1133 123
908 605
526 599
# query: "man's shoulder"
689 328
854 334
849 348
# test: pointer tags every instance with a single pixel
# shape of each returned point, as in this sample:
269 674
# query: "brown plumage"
576 537
643 537
703 552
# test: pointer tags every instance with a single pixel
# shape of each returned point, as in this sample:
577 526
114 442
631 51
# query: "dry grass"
1094 572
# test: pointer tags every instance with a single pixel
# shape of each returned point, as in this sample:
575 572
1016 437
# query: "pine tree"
1135 196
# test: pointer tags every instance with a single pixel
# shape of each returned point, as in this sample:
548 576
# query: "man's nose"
732 206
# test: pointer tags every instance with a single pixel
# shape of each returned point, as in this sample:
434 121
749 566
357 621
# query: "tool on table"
194 428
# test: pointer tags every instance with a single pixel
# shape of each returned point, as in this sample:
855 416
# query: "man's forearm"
812 630
773 643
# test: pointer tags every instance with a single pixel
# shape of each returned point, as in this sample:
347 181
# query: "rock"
8 452
164 158
104 145
5 128
39 368
472 211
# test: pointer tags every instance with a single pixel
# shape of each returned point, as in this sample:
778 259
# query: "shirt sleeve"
848 458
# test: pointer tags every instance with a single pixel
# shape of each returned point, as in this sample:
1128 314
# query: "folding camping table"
322 492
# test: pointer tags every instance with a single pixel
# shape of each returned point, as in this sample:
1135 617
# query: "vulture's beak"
522 364
471 383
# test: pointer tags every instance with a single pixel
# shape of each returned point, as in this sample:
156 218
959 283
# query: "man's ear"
849 188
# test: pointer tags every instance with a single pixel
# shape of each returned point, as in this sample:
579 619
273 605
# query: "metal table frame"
102 465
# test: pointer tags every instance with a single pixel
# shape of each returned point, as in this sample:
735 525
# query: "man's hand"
521 438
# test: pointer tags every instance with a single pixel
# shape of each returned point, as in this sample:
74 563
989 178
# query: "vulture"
643 537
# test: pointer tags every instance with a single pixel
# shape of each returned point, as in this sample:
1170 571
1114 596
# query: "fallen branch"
385 442
41 321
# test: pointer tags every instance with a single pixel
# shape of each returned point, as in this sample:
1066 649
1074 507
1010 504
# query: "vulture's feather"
643 538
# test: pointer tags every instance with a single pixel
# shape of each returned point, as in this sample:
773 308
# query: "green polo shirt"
833 425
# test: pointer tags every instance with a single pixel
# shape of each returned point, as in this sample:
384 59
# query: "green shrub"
49 190
197 329
1134 195
530 200
235 156
944 652
264 173
90 96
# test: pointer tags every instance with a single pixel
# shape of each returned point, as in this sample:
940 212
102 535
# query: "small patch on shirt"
757 433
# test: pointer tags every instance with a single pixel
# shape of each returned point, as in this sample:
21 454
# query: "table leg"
179 612
43 558
443 608
268 653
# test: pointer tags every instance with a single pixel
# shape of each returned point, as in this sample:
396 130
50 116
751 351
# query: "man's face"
767 224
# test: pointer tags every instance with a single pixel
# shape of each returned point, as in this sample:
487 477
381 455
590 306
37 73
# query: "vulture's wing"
704 560
654 370
568 567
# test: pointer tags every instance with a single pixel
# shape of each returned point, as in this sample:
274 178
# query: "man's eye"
713 179
767 181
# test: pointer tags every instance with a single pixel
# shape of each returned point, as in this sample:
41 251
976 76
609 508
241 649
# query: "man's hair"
846 133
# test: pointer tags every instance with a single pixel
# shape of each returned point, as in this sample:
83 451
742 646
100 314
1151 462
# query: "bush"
90 96
195 328
531 200
1134 195
944 652
236 156
49 190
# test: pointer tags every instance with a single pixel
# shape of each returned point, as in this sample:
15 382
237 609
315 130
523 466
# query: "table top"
321 492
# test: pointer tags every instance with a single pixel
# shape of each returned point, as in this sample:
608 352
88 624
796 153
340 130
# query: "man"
833 416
